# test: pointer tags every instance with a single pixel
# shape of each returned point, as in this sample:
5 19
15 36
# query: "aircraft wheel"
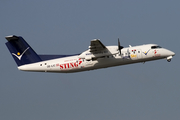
169 60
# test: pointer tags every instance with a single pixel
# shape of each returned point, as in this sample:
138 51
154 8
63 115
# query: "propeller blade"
119 46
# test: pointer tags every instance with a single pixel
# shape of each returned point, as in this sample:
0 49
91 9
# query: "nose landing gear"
169 60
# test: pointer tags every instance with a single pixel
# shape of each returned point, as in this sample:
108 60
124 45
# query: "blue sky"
131 92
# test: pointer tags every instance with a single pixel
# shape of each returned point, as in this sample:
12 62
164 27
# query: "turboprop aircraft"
97 56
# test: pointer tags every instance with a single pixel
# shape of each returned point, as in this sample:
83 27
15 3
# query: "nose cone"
171 53
167 53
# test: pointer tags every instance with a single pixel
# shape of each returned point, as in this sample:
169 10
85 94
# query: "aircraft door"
139 54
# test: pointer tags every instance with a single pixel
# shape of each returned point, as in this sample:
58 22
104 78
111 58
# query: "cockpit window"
155 47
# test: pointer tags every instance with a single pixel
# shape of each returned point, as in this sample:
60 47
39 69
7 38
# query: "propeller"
119 46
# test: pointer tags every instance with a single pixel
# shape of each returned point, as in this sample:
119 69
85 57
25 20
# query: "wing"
96 46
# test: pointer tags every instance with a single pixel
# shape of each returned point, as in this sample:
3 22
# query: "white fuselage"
107 58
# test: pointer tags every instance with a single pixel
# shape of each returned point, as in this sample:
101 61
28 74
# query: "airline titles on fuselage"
72 63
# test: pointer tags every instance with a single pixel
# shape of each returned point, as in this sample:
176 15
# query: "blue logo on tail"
18 54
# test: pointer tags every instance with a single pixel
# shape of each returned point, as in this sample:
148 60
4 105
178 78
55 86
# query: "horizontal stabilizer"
11 37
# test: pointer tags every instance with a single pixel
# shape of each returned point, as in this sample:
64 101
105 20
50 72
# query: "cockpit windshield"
155 47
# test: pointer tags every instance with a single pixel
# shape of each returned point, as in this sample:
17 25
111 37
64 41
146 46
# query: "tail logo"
19 55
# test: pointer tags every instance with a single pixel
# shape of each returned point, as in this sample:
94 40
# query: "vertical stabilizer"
21 51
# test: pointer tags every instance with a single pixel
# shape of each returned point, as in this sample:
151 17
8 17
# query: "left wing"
96 46
96 49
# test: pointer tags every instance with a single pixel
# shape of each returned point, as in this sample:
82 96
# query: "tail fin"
21 51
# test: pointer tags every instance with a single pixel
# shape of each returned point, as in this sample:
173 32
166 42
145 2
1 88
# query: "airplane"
97 56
